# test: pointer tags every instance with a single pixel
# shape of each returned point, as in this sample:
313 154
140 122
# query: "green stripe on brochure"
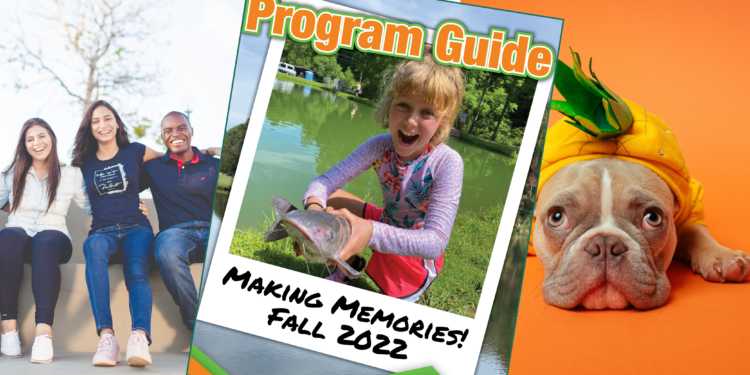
420 371
208 364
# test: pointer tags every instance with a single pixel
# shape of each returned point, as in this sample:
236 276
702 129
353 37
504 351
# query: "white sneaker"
108 352
138 350
41 351
10 345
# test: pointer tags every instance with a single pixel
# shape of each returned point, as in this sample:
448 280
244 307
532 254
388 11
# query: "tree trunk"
479 108
90 85
512 89
500 122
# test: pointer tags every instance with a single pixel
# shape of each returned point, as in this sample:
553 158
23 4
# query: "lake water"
306 131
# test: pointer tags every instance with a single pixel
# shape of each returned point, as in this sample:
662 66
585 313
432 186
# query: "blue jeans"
136 243
175 249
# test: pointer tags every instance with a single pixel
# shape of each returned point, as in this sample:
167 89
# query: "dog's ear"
676 204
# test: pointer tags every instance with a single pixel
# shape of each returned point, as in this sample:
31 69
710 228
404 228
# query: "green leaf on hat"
590 105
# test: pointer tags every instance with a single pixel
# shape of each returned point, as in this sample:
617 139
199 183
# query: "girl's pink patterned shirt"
422 194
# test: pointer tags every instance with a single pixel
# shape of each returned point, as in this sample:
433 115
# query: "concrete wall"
74 327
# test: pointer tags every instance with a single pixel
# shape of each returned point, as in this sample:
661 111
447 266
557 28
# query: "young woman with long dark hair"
38 189
111 165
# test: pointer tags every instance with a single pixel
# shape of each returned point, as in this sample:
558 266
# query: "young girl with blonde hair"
420 176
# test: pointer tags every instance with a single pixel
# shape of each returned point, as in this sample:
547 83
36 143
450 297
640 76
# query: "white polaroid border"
246 309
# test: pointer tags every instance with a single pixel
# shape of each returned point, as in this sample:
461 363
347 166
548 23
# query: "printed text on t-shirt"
111 180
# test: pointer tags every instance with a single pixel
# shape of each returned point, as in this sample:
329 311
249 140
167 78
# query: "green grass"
455 290
225 182
323 86
459 285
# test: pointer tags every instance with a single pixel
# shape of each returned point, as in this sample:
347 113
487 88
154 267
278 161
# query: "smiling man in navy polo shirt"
182 183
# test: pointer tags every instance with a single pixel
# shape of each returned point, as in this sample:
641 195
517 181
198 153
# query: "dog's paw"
723 265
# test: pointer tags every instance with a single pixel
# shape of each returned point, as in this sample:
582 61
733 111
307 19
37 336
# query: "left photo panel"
114 118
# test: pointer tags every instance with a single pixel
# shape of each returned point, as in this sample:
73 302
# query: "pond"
306 131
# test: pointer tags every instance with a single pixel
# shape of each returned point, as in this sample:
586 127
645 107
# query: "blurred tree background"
95 49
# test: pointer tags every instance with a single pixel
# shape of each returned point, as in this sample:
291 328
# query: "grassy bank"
323 86
492 146
466 259
225 182
456 290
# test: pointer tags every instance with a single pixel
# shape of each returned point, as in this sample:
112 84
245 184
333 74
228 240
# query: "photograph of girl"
420 176
434 203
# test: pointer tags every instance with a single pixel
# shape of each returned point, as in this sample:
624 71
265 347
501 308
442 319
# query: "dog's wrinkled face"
605 236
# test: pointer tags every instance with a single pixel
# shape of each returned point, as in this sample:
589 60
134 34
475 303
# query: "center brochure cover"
397 267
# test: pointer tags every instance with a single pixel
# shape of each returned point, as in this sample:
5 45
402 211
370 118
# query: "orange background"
684 62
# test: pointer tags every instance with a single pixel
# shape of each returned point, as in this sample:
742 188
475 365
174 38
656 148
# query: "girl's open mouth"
407 139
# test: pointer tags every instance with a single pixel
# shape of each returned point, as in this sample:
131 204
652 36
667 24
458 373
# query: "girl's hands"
143 208
361 233
313 204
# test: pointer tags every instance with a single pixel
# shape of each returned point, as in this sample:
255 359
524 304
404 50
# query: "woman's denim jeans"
136 243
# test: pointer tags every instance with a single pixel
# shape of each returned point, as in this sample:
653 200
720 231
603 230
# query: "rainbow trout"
319 235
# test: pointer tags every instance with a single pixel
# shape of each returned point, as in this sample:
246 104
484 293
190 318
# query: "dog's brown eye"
556 219
652 220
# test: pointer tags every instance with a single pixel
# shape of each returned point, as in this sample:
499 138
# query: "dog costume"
606 126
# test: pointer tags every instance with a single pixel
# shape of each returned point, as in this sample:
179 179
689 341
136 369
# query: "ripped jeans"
136 243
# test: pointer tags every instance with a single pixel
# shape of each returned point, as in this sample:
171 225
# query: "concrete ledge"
80 363
74 327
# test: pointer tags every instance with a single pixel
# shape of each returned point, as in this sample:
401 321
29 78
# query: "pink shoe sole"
109 364
138 362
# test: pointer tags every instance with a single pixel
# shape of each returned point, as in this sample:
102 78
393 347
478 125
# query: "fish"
319 235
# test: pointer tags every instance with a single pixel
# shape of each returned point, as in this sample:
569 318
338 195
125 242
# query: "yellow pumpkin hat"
607 126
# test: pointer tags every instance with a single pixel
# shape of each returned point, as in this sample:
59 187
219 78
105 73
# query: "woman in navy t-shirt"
111 165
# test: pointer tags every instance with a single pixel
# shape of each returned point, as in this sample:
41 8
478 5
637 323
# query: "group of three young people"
107 174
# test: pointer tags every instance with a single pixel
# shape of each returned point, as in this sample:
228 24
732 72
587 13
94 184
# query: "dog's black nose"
605 245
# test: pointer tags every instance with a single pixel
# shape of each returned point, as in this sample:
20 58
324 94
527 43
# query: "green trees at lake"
230 151
498 105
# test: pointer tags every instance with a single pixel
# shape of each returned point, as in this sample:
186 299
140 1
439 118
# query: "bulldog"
612 212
